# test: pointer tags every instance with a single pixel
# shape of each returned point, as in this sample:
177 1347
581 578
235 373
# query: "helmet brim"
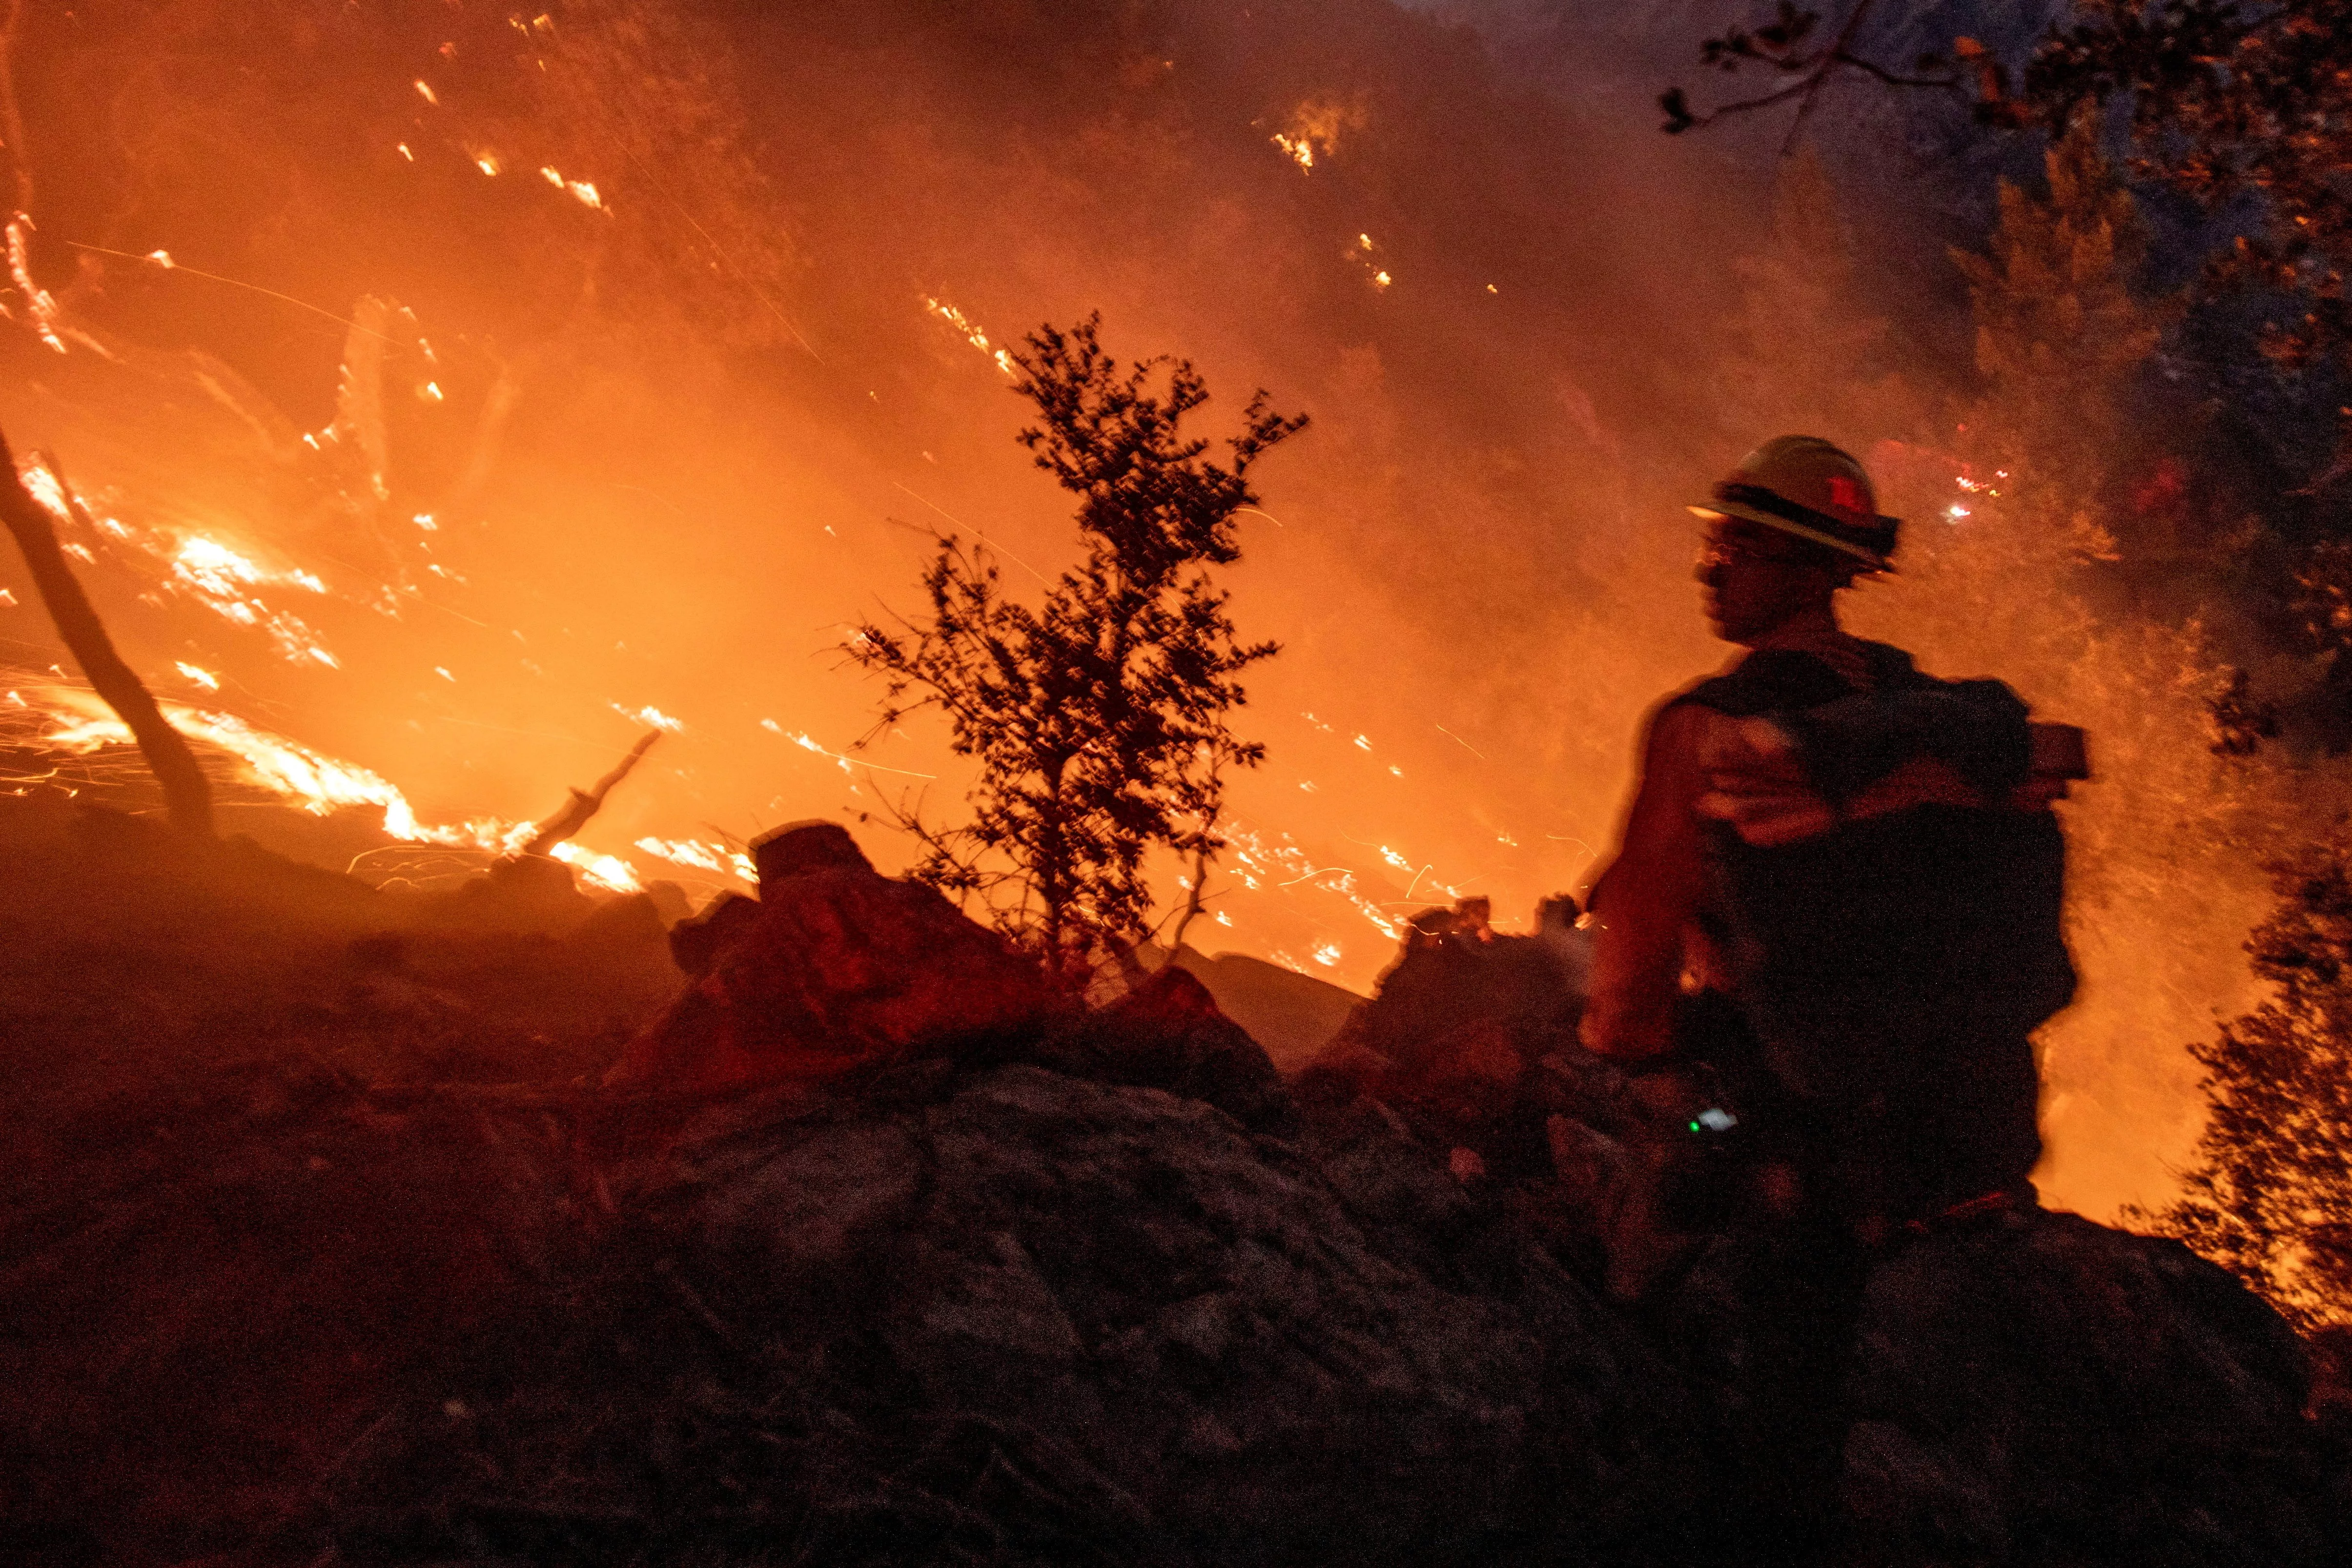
1716 511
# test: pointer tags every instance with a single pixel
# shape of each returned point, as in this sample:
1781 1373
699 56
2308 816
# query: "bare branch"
1776 50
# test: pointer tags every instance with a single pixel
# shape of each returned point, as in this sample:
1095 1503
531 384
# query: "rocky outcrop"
1457 1037
2029 1387
1016 1316
836 969
1023 1317
1167 1033
2041 1389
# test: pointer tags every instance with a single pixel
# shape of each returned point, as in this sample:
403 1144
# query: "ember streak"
453 394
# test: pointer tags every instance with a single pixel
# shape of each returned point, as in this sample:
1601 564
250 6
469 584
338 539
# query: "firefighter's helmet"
1804 486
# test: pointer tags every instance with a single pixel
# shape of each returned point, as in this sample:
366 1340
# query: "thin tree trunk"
1054 873
1193 902
187 795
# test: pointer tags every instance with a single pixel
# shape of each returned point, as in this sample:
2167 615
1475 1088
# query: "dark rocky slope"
294 1273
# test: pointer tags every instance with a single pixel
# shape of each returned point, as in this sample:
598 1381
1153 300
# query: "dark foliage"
2271 1195
2241 722
2225 100
2228 100
1097 718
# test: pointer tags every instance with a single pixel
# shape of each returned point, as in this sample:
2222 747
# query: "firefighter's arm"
1649 896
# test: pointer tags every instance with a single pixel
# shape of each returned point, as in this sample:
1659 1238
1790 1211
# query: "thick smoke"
619 356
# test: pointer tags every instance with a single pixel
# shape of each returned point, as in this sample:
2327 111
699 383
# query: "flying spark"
650 717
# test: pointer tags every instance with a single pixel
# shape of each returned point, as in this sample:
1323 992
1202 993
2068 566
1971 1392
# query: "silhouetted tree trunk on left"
187 795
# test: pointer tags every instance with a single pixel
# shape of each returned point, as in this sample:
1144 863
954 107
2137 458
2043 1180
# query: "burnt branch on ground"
585 804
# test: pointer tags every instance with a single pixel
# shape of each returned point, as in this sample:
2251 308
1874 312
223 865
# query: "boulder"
695 941
1032 1319
2030 1387
518 893
1456 1033
1169 1033
2042 1389
835 967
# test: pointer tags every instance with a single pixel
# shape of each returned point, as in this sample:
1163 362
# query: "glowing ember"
310 779
213 568
318 783
220 579
1314 130
39 307
582 190
1257 864
702 856
43 487
972 334
651 717
606 871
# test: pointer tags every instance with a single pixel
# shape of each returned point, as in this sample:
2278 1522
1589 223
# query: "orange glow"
649 467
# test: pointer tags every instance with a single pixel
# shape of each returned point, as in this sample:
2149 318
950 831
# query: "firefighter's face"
1757 578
